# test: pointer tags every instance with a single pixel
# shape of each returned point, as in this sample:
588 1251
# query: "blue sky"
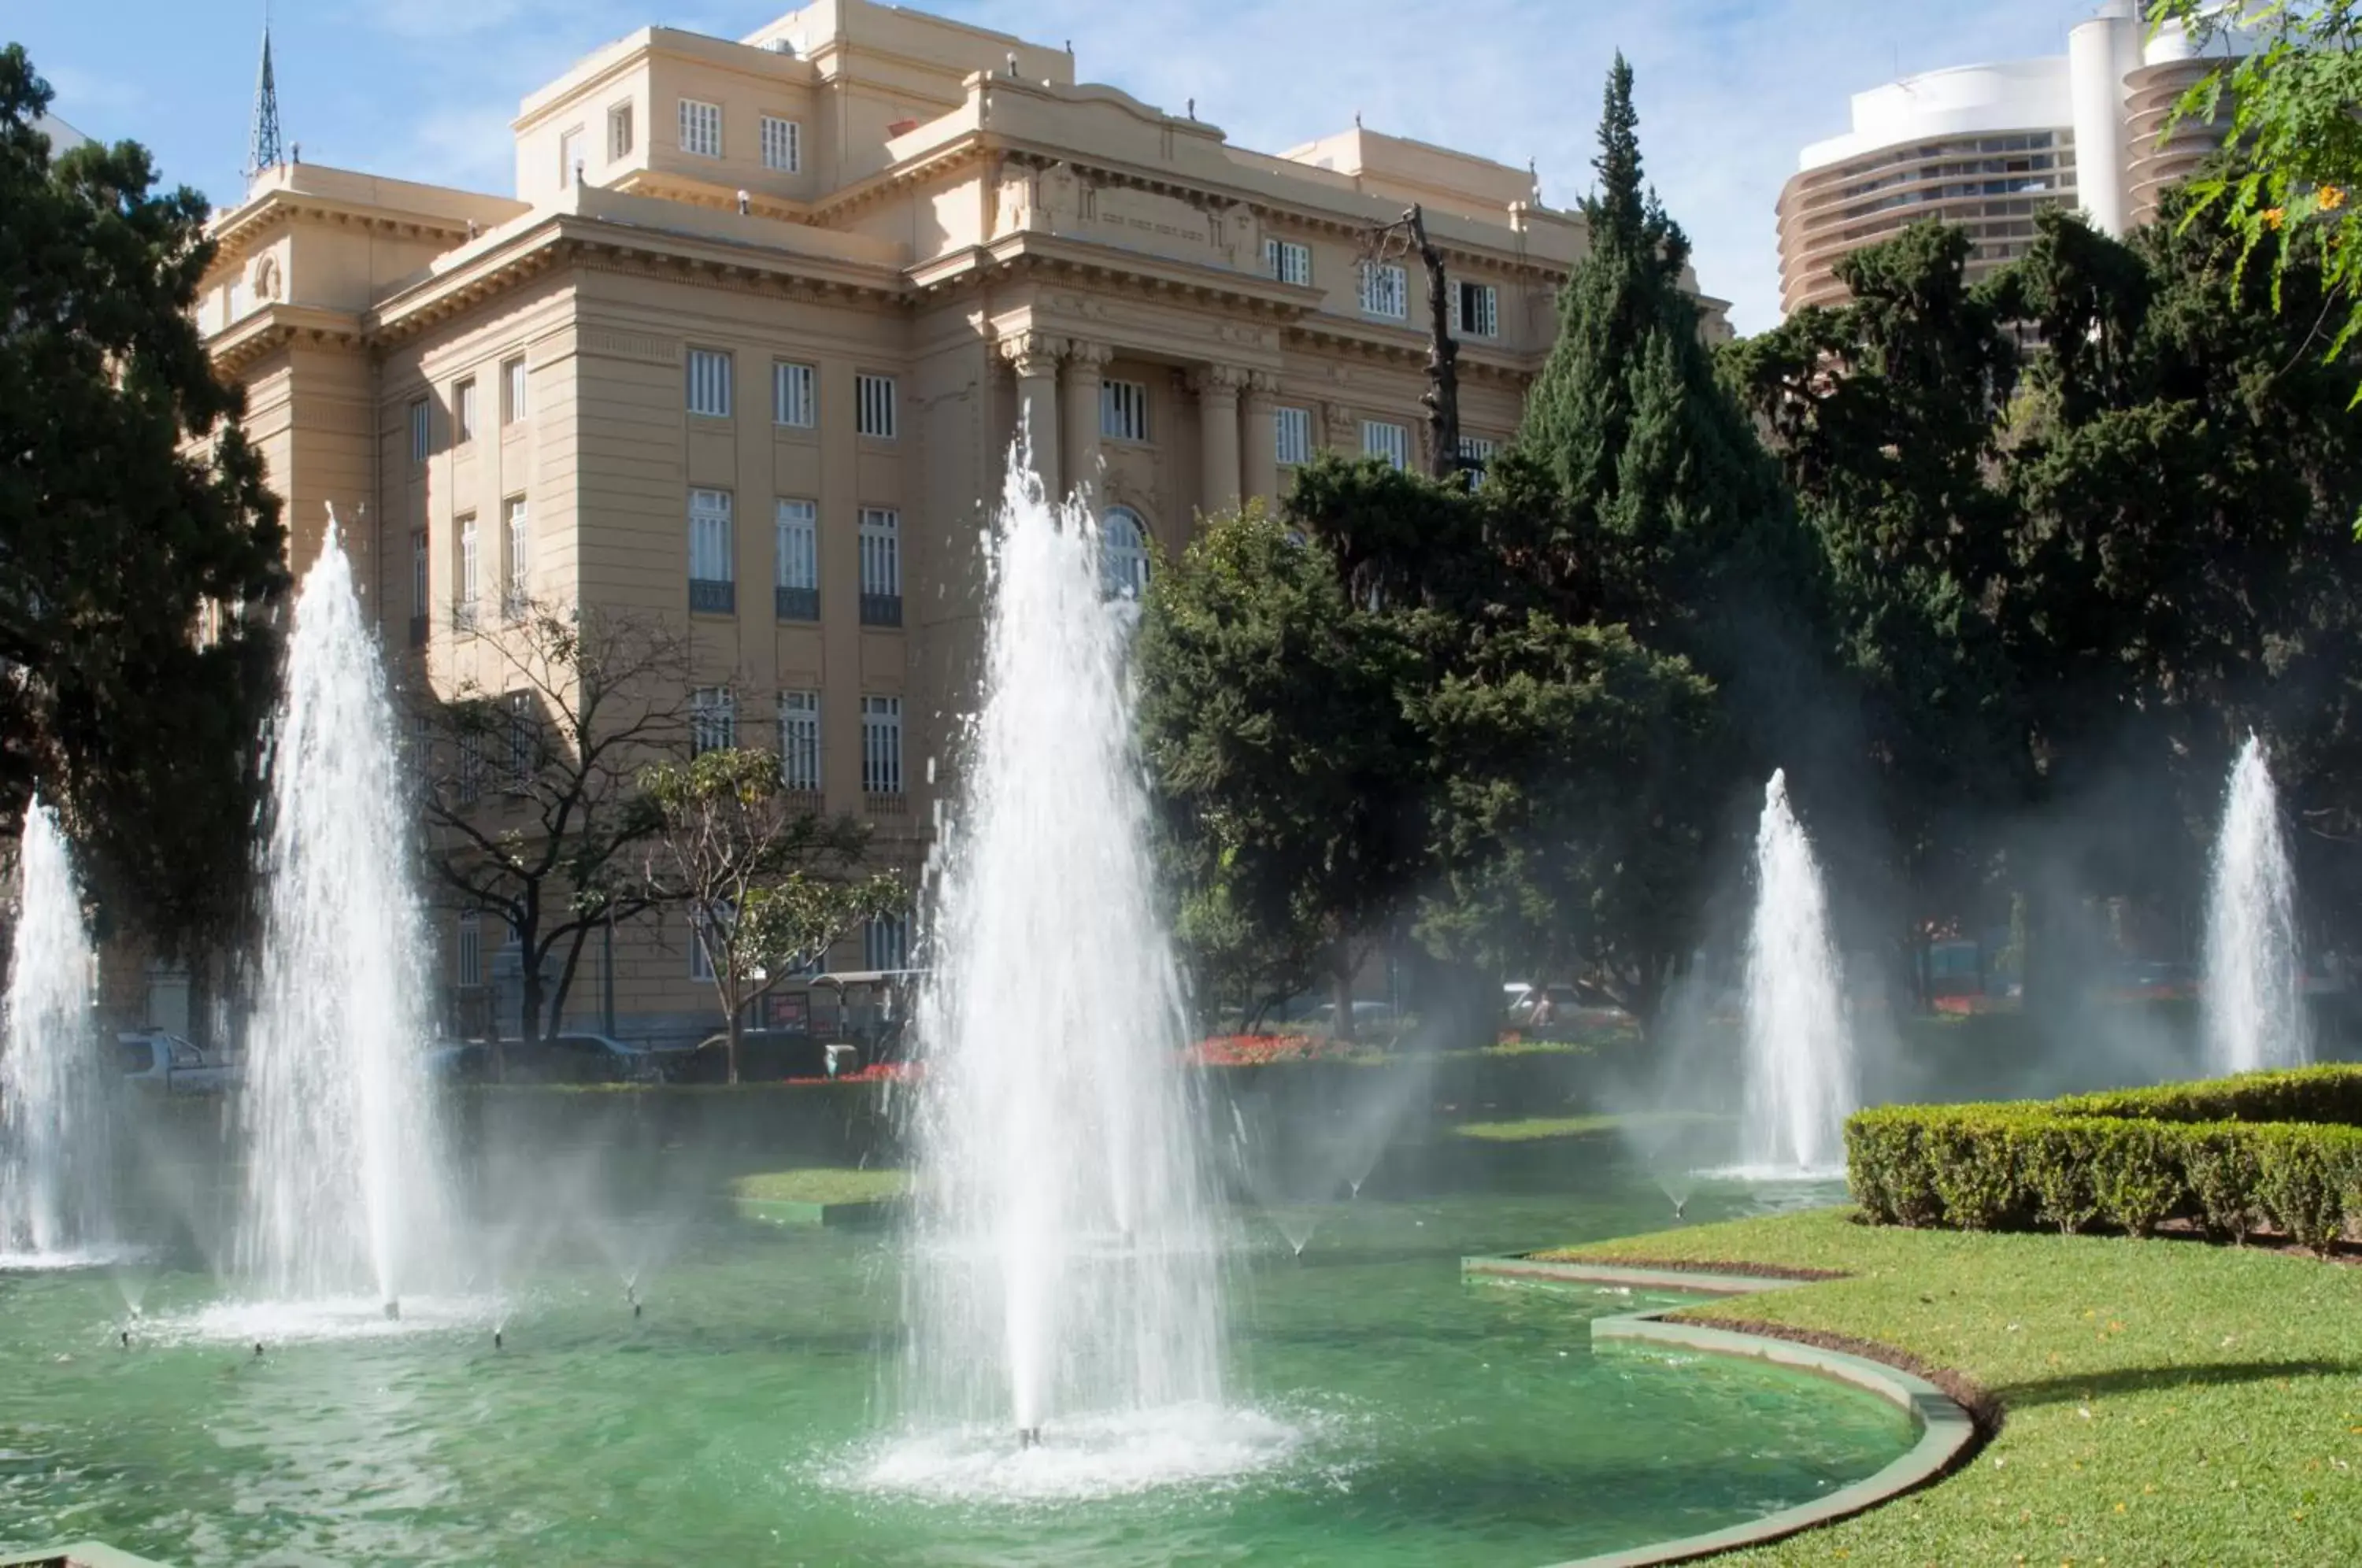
1729 90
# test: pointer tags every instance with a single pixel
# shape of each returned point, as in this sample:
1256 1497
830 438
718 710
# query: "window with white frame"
708 935
419 558
799 742
709 383
513 403
796 589
471 765
569 158
519 586
463 602
711 563
782 145
463 412
1382 439
1123 554
1476 454
1385 291
422 429
619 131
881 746
523 724
1287 260
885 942
713 719
1476 309
873 405
700 127
881 551
1124 411
468 965
793 398
1292 434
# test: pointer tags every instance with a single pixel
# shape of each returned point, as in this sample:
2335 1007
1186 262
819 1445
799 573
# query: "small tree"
531 795
767 887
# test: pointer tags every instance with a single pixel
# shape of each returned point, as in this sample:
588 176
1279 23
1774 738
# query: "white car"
166 1063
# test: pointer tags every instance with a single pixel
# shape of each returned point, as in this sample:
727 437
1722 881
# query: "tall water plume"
344 1171
53 1114
2253 1006
1064 1266
1799 1061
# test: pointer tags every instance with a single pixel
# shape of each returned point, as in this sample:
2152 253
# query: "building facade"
748 347
1987 147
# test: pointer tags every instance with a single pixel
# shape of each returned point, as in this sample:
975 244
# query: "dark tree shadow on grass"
2069 1389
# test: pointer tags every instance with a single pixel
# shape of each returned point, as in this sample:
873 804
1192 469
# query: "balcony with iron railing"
796 604
881 609
710 597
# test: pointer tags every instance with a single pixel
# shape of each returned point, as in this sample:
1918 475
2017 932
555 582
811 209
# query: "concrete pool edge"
1946 1429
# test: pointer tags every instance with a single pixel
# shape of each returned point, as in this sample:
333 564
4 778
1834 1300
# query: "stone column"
1261 476
1085 360
1218 435
1035 359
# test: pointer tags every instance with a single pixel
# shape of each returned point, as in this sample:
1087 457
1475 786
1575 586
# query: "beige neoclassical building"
749 343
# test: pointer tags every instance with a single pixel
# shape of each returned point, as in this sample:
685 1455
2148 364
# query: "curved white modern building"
1989 146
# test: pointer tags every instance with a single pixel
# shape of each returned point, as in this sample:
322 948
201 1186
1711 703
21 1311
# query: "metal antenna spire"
262 149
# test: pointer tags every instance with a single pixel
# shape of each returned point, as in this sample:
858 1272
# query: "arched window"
1123 553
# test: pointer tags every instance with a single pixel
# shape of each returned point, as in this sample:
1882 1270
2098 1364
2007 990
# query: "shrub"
2306 1177
2060 1153
2137 1174
1973 1165
1884 1164
2220 1164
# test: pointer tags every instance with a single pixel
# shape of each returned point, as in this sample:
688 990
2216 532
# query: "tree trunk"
1342 981
566 972
732 1026
1442 395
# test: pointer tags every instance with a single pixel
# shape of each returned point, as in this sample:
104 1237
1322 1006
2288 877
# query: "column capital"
1216 380
1082 353
1261 384
1033 353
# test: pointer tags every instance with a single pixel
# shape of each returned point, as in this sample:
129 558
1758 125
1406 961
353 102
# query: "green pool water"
1383 1411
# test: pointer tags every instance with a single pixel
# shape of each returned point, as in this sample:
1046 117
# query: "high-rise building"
1989 146
773 310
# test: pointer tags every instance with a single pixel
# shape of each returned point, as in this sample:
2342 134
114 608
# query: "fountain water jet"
54 1196
344 1173
2254 1007
1065 1269
1800 1082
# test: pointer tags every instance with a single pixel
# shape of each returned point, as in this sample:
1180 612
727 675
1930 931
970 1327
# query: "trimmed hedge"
2231 1155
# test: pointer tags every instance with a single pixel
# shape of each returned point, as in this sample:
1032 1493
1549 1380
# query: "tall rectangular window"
881 746
1287 261
793 398
1381 439
422 429
713 719
418 572
873 402
1385 291
512 391
1476 454
799 742
463 601
709 383
782 143
1124 411
470 966
885 942
881 567
463 412
619 131
796 591
700 127
711 575
570 159
524 728
518 589
1476 309
1292 434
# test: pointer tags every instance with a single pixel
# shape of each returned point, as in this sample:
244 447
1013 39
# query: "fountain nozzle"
635 1308
393 1310
124 1335
1680 1204
496 1339
258 1349
1029 1437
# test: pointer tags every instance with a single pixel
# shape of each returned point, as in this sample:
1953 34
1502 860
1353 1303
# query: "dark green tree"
139 549
1271 720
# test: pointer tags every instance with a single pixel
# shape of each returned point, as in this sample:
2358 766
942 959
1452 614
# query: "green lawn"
1539 1129
2164 1402
837 1185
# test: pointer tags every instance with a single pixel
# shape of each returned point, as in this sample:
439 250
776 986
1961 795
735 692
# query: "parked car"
584 1058
765 1056
1366 1015
166 1064
1560 1006
459 1061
